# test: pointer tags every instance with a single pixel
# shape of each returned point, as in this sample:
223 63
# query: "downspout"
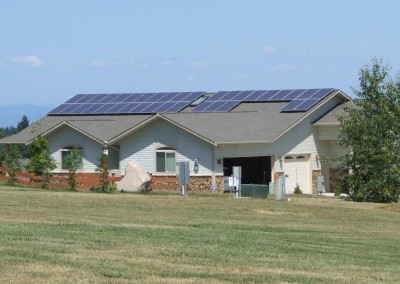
213 167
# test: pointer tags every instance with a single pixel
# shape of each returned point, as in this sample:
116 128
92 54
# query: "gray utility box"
320 185
183 177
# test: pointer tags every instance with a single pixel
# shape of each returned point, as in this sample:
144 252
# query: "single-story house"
269 133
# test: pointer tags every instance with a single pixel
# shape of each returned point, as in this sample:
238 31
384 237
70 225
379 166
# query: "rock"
135 179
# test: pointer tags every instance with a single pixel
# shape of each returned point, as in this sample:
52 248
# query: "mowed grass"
83 237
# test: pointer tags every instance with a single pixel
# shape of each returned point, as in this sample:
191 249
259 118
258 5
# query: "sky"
52 50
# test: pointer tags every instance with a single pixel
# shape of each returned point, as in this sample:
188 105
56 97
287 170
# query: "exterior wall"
142 144
67 136
300 140
328 132
329 152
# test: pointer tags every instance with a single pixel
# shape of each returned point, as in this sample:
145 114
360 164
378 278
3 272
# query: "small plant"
337 191
297 190
73 162
104 184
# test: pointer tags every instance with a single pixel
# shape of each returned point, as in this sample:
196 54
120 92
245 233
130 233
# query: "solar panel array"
134 103
149 103
299 99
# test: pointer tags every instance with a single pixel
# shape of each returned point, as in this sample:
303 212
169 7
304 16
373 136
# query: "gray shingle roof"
331 118
102 128
248 122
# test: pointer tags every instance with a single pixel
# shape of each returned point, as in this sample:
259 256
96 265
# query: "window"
165 161
66 152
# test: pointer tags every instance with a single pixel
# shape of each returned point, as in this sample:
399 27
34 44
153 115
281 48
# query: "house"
269 133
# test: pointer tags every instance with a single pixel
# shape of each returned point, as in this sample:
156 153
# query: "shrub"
297 190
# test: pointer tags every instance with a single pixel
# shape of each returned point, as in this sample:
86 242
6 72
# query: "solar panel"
74 99
254 96
218 96
292 105
280 95
293 95
126 103
131 103
307 94
177 107
267 96
92 108
203 106
307 104
243 95
322 93
58 109
228 105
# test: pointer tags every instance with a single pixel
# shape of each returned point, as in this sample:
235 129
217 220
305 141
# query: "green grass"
69 237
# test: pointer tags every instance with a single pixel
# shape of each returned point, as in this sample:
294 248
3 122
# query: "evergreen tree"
24 123
371 131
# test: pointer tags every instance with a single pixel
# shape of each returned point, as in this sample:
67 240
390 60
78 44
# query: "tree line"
10 130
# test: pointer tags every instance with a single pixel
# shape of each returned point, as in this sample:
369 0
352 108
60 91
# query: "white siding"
141 146
66 136
328 132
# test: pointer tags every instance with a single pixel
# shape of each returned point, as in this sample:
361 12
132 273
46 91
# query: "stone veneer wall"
197 183
315 175
276 177
219 183
204 183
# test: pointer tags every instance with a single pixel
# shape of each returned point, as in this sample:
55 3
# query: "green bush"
337 191
297 190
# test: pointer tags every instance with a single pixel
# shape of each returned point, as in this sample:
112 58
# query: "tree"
12 161
104 184
371 130
41 162
24 123
73 162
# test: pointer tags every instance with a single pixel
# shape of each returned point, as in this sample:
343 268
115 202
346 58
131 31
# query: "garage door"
296 168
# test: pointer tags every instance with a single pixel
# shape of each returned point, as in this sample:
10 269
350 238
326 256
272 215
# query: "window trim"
165 150
68 149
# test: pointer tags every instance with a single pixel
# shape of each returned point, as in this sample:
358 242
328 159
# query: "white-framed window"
65 152
165 160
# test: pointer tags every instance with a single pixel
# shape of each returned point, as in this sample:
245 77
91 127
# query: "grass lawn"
69 237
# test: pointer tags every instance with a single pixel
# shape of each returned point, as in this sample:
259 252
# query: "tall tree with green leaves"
370 129
12 161
41 162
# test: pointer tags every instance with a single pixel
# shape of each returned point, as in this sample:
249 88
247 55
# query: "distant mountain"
10 115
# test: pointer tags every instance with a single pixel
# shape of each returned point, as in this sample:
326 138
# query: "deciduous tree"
370 129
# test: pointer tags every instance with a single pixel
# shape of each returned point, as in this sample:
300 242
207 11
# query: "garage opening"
255 170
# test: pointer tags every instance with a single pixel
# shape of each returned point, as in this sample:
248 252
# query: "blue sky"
52 50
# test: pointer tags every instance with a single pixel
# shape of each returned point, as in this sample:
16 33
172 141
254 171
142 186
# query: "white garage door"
296 167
